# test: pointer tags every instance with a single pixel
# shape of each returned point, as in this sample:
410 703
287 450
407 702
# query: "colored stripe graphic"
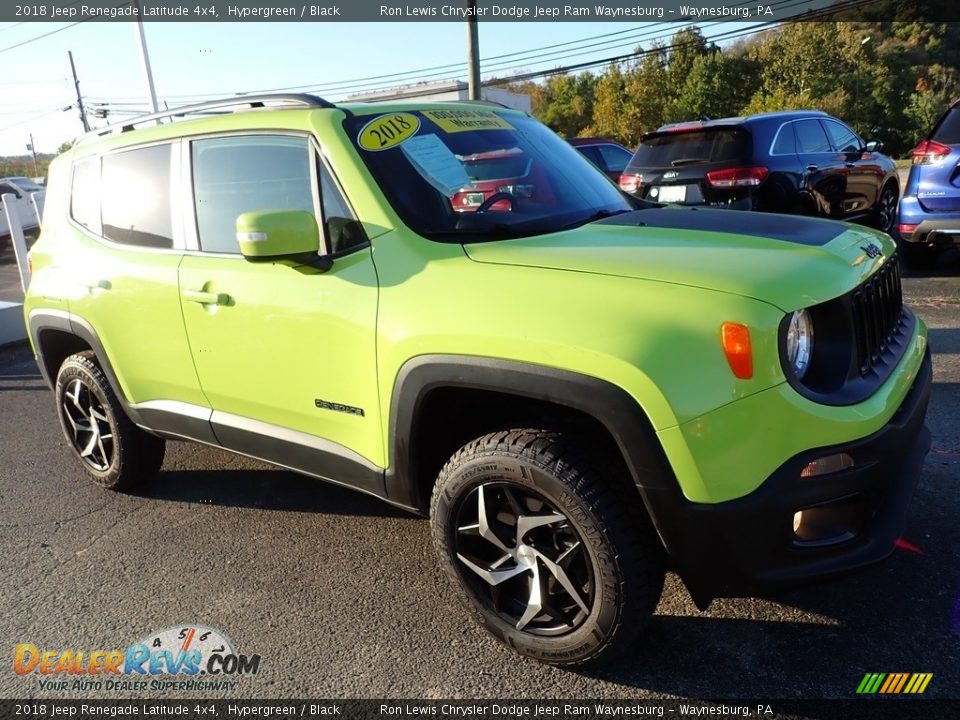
894 683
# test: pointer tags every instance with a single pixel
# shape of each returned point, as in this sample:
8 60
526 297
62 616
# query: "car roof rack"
483 102
251 102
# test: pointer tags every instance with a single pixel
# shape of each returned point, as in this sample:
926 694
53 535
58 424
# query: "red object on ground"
904 545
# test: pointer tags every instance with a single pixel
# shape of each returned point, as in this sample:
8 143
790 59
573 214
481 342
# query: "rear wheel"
887 208
110 447
548 558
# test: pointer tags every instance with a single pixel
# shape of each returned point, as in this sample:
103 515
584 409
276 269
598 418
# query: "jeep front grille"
877 315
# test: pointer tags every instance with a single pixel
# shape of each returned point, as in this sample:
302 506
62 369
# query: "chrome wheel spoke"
561 575
91 444
492 577
483 524
526 523
563 560
534 602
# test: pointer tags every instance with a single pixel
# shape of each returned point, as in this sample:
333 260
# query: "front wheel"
548 558
110 447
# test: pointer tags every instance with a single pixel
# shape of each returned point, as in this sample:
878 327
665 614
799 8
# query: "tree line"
889 80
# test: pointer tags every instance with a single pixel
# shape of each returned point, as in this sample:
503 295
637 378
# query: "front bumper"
742 546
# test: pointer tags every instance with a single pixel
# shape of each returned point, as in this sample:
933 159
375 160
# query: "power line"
52 32
35 117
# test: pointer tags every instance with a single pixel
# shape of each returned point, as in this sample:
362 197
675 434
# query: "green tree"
718 85
567 103
608 120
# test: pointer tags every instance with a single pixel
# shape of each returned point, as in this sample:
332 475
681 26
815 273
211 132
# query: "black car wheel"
550 561
887 208
111 448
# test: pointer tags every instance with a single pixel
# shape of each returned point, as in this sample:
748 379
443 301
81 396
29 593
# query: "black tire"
602 540
917 256
110 447
887 208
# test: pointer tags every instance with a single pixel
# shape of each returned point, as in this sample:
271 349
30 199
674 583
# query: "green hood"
785 260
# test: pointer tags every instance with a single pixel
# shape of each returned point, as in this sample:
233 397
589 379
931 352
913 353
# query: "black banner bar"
680 11
199 709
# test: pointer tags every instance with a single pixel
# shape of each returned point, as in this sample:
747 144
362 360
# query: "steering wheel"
494 199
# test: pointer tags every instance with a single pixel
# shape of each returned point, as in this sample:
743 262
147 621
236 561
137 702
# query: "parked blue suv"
929 217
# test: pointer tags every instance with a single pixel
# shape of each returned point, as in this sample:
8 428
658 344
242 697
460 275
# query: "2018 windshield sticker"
454 121
388 131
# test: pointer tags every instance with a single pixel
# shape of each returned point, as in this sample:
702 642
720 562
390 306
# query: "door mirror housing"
286 236
874 146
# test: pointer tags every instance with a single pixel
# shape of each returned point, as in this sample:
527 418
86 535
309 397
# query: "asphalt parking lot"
341 596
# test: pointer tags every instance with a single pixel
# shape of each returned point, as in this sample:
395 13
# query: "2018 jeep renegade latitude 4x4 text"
581 388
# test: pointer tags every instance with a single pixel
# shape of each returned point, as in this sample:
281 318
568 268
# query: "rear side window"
614 159
844 139
85 194
235 175
135 198
811 137
786 142
947 131
673 149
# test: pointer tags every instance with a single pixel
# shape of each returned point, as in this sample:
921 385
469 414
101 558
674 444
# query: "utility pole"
76 84
142 40
33 150
473 51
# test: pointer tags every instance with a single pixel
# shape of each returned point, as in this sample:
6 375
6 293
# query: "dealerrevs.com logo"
197 657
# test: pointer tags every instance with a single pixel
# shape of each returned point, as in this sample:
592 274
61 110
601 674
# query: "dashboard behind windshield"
462 174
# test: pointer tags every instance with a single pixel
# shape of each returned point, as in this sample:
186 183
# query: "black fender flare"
607 403
63 321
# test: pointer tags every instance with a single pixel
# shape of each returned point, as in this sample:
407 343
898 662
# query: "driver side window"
843 138
234 175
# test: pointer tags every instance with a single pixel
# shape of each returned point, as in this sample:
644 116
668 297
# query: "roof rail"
484 102
250 101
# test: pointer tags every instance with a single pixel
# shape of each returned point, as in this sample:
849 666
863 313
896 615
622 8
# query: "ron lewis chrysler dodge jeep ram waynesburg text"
581 388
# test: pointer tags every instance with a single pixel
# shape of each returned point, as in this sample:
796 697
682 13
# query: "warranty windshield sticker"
454 121
437 164
388 131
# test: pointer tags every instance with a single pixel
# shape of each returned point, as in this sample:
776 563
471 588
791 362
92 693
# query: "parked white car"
22 188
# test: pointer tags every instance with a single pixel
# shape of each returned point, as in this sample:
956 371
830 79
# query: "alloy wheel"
88 425
526 560
888 209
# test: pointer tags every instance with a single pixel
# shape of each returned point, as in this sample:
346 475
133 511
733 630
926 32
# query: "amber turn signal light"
736 346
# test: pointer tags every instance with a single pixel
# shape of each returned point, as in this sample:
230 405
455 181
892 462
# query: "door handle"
812 168
97 285
206 298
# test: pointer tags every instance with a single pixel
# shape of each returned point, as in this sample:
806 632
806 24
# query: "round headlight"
799 342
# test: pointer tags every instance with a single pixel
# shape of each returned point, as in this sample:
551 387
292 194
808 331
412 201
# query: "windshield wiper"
600 214
688 161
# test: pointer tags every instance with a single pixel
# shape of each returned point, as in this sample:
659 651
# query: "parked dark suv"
800 162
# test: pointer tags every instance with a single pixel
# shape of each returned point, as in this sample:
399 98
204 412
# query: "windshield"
471 174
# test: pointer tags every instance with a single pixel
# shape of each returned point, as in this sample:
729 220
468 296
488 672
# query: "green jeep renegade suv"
446 306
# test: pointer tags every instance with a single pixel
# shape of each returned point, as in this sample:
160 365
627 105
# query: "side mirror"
287 236
874 146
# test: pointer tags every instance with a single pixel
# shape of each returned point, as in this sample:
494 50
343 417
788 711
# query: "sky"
196 61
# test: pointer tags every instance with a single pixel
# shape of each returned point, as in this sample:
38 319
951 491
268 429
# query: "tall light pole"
473 51
142 41
856 97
